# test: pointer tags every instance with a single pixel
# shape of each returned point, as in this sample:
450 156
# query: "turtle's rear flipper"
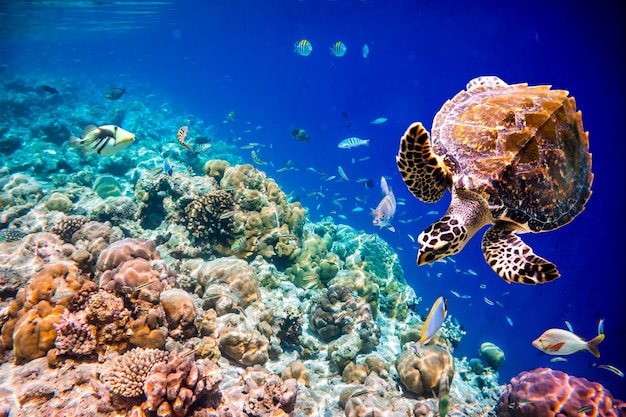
514 260
423 172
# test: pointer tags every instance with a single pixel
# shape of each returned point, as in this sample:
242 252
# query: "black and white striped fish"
105 140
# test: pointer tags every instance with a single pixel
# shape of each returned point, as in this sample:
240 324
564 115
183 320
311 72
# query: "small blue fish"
353 143
167 167
338 49
303 48
378 121
386 209
366 50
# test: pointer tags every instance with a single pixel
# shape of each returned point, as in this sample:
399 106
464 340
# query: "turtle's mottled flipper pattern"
514 260
424 172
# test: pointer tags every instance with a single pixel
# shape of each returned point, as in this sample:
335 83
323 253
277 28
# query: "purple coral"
547 392
74 335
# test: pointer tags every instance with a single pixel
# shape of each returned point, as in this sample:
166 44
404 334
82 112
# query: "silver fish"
386 209
353 143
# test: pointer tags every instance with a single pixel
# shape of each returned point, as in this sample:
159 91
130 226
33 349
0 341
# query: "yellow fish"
434 321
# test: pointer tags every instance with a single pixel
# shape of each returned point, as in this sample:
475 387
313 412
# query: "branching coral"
173 386
126 374
75 336
66 226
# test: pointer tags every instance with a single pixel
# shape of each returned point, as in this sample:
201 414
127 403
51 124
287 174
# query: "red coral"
547 392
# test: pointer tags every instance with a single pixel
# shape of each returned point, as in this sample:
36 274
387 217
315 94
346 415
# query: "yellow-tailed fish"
612 369
104 140
560 342
434 320
303 48
338 49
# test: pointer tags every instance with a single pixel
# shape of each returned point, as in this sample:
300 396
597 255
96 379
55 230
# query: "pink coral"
172 387
547 392
74 335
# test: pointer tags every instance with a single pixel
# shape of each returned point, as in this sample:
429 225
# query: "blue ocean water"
213 58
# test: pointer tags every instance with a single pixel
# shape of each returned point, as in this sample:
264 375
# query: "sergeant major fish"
386 209
303 48
105 140
338 49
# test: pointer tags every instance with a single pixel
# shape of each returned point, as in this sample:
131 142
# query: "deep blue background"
238 55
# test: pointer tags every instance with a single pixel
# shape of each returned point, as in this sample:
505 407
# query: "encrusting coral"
548 392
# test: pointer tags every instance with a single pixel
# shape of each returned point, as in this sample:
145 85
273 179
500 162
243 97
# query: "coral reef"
548 392
420 371
126 374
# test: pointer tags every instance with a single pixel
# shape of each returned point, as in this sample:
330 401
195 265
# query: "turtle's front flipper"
423 172
514 260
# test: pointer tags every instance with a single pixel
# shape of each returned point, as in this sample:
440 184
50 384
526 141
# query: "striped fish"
182 134
104 140
353 143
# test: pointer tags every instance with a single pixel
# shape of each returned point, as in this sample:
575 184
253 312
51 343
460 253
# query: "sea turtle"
513 156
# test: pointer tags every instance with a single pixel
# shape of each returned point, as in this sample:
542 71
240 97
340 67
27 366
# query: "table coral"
419 371
548 392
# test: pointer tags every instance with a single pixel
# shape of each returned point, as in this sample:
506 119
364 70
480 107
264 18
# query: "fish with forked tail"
561 342
386 209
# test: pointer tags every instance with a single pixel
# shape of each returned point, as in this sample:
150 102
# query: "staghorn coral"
173 386
65 227
419 371
126 374
75 337
548 392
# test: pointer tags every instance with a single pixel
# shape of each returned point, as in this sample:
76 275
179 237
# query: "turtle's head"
443 238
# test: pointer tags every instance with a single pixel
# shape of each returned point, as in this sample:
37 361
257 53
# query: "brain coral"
225 283
547 392
126 374
420 372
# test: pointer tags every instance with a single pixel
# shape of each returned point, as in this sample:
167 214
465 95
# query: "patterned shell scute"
523 148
